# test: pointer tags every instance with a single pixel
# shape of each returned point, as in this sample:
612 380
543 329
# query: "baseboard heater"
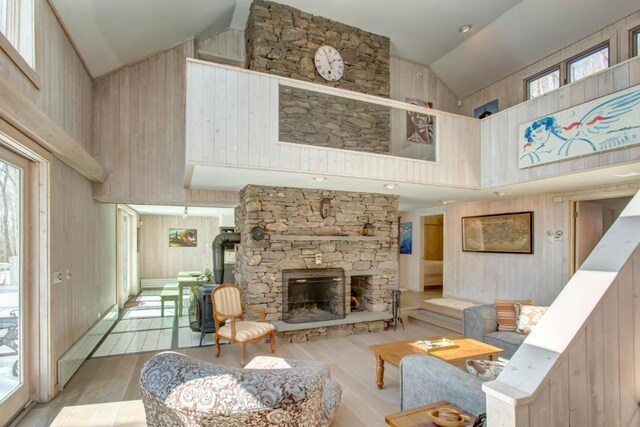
78 353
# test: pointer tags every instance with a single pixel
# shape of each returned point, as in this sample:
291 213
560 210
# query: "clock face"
329 63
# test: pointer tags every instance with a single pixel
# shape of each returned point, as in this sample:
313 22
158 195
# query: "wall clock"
329 63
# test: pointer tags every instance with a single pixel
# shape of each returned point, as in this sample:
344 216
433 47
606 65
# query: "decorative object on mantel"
257 233
183 237
325 205
406 237
604 124
367 229
500 233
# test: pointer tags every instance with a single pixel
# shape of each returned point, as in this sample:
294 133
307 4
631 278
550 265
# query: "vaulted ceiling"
506 36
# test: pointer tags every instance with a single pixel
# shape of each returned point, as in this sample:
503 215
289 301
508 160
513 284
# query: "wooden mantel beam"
24 115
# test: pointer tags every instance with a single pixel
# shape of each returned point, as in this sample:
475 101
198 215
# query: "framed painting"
406 237
183 237
604 124
510 233
486 110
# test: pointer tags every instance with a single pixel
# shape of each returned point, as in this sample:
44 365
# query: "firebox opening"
313 295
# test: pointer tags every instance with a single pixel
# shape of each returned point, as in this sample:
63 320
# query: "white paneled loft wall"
500 138
232 120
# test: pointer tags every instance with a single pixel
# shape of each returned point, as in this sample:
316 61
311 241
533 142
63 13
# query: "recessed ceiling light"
500 193
320 178
465 28
445 202
390 186
628 174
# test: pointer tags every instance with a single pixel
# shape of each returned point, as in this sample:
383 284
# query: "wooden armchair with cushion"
227 306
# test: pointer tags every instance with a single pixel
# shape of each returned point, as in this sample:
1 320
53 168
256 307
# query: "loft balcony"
239 120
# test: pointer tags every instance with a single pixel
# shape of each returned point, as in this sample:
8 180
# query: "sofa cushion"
507 313
486 370
527 317
508 341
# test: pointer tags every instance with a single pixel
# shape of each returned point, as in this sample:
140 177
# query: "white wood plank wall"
232 120
510 90
500 131
139 117
227 44
581 365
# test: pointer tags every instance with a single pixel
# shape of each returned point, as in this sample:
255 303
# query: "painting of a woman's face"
540 135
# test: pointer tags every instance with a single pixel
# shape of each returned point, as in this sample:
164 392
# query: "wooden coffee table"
418 416
468 348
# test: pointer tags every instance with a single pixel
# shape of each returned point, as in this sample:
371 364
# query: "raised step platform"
431 318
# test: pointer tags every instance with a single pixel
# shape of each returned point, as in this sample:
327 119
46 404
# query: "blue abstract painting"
604 124
406 237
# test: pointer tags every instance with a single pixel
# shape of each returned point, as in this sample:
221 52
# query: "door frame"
121 211
444 211
571 219
36 263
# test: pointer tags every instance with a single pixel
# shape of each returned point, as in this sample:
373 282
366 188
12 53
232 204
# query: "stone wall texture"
283 40
323 120
296 212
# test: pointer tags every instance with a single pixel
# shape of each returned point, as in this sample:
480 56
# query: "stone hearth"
295 232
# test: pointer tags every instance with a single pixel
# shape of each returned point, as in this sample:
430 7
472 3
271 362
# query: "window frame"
582 55
635 42
30 71
536 76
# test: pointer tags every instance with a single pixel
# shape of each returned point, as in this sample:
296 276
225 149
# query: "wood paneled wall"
66 93
581 365
500 139
229 44
484 276
232 120
410 79
159 261
139 128
511 90
83 239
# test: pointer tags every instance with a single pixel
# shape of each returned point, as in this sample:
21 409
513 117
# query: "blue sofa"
481 323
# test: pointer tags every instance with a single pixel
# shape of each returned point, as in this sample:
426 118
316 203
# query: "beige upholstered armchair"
227 306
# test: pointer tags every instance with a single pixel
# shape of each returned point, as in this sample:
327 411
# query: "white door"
124 254
14 285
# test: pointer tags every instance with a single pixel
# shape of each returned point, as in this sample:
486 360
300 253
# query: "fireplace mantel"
294 238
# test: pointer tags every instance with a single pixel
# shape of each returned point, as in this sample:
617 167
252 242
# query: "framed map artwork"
501 233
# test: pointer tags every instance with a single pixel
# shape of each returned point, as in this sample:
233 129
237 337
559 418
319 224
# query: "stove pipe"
217 248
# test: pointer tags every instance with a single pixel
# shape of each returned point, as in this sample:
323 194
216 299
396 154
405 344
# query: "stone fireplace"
313 295
310 229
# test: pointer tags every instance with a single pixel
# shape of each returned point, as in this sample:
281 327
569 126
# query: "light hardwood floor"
105 391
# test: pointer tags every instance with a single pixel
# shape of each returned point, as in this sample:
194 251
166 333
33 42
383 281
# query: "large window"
587 63
635 42
544 82
17 25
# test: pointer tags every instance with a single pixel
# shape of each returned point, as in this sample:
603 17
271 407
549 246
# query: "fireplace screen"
312 295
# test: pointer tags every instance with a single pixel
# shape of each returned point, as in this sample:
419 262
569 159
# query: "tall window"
635 42
17 25
544 82
587 63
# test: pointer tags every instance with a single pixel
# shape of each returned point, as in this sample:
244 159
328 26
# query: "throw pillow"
486 370
528 317
507 313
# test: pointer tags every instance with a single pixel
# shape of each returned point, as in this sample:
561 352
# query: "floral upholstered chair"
181 391
227 305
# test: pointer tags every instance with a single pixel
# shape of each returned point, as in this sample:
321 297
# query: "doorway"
432 257
592 219
15 310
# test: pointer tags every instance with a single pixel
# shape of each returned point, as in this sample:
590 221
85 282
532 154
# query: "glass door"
14 372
